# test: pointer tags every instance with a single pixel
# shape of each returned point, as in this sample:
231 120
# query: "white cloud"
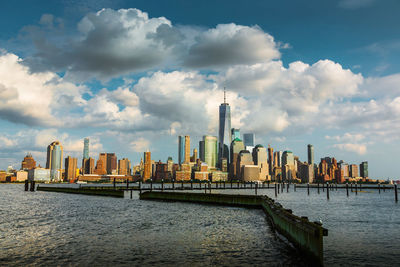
356 148
140 145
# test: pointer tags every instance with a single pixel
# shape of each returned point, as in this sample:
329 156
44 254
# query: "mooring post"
308 188
127 183
379 187
173 184
182 184
278 187
191 184
231 183
336 186
276 194
151 184
224 184
131 193
395 193
287 188
347 189
327 190
205 188
268 183
323 188
356 187
162 184
257 185
114 183
383 188
26 185
318 187
32 186
282 187
209 185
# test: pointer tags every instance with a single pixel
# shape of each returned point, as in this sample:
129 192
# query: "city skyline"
287 95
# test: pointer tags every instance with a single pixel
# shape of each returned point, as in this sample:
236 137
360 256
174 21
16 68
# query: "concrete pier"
85 191
305 235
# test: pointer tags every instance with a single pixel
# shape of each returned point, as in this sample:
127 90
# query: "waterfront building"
210 151
251 173
237 145
244 158
235 134
101 166
88 166
353 170
124 167
344 167
364 169
249 139
21 176
85 148
54 159
260 159
71 164
306 172
111 166
147 166
270 159
162 173
181 149
28 162
225 136
187 149
39 174
310 154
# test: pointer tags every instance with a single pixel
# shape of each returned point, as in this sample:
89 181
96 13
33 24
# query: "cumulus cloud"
360 149
140 145
231 44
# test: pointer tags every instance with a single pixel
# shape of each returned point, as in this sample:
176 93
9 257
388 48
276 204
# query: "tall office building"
181 149
187 149
364 169
54 159
287 158
103 159
260 158
225 136
28 163
71 164
236 146
270 159
124 167
112 163
88 166
147 166
249 139
86 148
235 134
310 150
353 170
210 150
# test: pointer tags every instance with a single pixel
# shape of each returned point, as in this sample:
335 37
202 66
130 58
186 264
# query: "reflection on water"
44 228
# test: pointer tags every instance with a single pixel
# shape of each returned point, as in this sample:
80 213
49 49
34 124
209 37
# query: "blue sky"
132 75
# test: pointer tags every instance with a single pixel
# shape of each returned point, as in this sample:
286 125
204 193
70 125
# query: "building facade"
54 159
85 148
71 164
28 163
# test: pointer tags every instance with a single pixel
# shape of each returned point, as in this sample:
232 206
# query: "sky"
133 75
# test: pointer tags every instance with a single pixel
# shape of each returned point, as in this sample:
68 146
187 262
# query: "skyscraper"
235 134
225 136
88 166
54 159
147 166
111 163
86 148
28 163
210 150
270 159
124 167
71 165
187 149
181 149
236 146
248 139
364 169
310 150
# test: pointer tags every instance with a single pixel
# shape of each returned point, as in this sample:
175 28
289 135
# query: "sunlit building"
54 159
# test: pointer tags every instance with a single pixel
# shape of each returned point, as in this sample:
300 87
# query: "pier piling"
127 183
395 193
162 184
26 185
347 189
356 187
32 186
131 193
379 188
318 187
151 184
256 188
327 191
276 194
308 188
114 183
191 184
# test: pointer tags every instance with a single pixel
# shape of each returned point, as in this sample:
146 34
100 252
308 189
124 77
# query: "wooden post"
379 188
308 188
282 187
276 194
26 185
209 185
257 185
318 187
114 183
32 186
336 186
140 187
131 193
127 183
323 188
278 187
356 187
231 184
347 189
191 184
268 183
162 184
151 185
200 185
395 193
327 190
238 185
205 189
173 184
224 184
383 188
287 188
351 186
182 185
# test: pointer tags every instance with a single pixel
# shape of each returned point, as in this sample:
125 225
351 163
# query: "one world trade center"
224 129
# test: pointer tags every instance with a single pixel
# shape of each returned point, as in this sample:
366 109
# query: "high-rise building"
210 151
54 159
244 158
111 163
235 134
353 170
147 166
181 149
124 167
101 167
28 163
71 164
270 159
287 158
201 150
86 148
249 139
187 149
194 157
310 150
364 169
224 134
260 158
88 166
236 146
103 158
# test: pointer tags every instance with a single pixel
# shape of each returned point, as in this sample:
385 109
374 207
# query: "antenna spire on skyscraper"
224 95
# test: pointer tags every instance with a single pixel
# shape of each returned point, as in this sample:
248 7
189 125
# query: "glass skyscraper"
248 139
210 150
181 149
235 134
225 136
310 150
54 159
86 148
